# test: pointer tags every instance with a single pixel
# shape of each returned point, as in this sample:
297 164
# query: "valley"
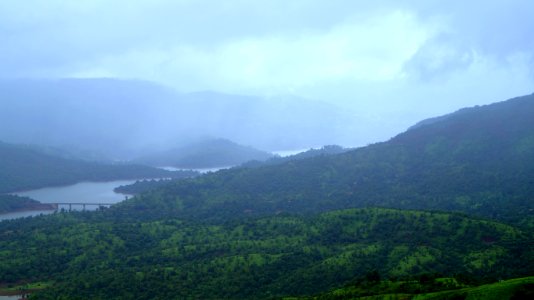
266 150
329 223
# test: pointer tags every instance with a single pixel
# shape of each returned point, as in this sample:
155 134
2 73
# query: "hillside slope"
251 259
479 161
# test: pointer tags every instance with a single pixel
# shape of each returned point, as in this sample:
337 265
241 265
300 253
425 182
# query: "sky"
392 61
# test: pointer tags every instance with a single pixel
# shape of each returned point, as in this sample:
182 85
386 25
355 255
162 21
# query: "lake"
284 153
90 192
200 170
83 192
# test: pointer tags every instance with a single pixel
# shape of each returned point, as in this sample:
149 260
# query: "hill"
147 185
480 161
205 154
11 203
251 259
23 168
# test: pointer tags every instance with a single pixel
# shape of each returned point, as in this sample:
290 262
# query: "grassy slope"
517 288
522 288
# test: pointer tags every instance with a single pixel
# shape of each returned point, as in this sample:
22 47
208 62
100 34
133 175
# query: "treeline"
277 160
99 255
142 186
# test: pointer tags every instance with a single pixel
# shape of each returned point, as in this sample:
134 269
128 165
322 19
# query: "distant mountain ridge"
23 167
124 119
209 153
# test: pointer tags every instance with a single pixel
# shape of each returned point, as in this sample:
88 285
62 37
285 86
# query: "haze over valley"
240 149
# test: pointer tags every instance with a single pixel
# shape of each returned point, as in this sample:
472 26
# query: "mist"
126 78
122 119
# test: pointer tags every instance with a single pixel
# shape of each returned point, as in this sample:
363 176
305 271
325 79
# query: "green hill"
210 153
478 161
23 168
248 259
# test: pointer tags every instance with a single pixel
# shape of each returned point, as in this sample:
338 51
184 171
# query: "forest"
269 257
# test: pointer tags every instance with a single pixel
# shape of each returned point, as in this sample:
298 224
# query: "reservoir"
83 192
200 170
99 192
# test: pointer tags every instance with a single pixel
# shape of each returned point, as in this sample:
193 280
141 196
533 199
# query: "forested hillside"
256 258
148 185
479 161
24 168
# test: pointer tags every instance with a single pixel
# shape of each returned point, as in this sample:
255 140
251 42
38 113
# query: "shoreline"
41 206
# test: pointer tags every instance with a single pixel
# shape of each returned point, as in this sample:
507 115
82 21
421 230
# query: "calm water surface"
95 192
83 192
201 170
16 297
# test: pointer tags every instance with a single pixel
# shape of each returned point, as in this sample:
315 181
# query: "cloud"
401 59
370 49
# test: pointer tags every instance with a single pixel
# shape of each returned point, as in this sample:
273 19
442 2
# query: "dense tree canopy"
98 256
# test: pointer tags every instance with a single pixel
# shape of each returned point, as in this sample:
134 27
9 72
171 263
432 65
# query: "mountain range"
125 119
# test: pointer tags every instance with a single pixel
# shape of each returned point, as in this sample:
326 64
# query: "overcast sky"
398 58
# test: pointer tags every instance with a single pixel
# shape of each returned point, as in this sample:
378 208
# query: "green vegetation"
142 186
428 288
206 154
256 258
297 229
476 162
11 203
23 168
17 289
